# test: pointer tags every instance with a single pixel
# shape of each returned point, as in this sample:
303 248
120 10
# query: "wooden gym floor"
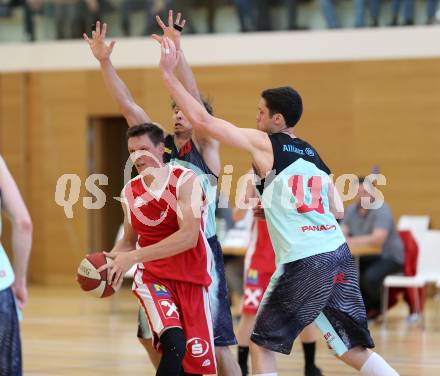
66 332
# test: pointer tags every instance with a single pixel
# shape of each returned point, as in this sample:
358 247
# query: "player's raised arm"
133 113
251 140
208 146
183 70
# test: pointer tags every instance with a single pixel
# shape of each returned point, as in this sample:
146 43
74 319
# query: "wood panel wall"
357 114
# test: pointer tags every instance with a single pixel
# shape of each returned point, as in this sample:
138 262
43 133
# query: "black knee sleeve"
173 350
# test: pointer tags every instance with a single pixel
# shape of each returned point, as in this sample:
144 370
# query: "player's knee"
173 342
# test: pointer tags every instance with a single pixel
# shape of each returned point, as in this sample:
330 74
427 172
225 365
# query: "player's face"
144 153
265 122
180 122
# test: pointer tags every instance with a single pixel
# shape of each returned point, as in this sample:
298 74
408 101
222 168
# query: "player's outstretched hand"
100 49
171 31
169 56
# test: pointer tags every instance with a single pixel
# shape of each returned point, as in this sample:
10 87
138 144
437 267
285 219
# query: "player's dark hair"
361 179
207 103
154 132
285 101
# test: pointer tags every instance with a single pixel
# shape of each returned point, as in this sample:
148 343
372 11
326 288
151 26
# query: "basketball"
90 280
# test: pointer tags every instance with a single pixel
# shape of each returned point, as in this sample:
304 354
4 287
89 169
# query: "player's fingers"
117 280
98 28
112 44
179 16
86 38
111 275
157 38
170 18
103 267
104 30
182 25
119 284
160 23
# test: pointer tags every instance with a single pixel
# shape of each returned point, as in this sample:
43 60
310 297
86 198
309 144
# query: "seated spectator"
373 227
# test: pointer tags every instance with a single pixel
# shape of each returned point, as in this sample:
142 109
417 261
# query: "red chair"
415 297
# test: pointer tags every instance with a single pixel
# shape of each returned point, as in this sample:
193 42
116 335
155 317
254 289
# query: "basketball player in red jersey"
163 212
192 150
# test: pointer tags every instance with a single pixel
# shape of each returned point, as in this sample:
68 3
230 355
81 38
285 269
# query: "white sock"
377 366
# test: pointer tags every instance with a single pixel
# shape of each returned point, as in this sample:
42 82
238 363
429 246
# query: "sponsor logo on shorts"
160 290
329 338
252 297
252 277
206 363
309 152
168 308
197 347
318 228
339 278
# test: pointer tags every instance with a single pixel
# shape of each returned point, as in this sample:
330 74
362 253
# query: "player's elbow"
201 119
23 224
190 237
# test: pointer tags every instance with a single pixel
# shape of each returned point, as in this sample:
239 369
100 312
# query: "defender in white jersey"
315 278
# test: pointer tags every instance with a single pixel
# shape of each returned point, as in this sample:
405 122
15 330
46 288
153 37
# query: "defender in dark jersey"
315 279
191 150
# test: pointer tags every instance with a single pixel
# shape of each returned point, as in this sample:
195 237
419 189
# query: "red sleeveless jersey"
260 254
153 216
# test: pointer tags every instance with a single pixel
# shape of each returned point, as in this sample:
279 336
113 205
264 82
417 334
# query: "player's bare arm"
256 142
208 147
128 241
335 201
132 112
17 212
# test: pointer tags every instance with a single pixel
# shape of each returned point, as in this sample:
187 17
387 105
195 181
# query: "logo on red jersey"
197 347
318 228
168 308
252 277
160 290
339 278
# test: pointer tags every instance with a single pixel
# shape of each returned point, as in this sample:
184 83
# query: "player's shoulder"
131 184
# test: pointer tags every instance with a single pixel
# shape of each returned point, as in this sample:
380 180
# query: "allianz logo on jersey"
294 149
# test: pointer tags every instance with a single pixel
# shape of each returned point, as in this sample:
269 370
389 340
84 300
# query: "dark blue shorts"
219 299
322 288
219 302
10 352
